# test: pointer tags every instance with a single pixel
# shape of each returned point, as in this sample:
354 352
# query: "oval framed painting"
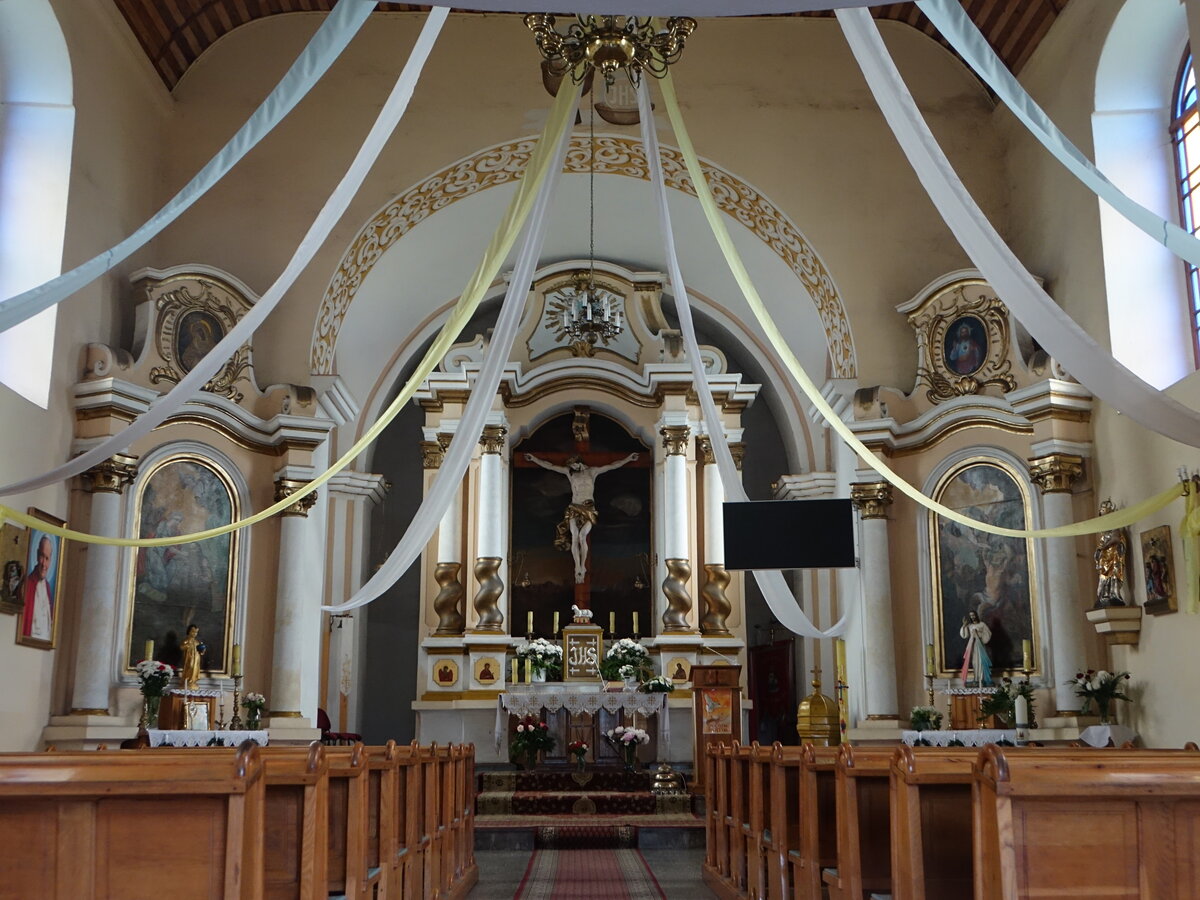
197 333
965 345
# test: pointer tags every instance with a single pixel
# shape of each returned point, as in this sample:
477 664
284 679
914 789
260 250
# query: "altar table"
176 737
971 737
530 699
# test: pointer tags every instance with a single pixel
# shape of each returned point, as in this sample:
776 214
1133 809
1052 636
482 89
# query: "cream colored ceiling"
175 32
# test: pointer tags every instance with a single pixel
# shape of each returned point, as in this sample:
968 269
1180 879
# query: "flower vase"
150 705
1102 707
253 719
539 676
580 765
632 684
631 758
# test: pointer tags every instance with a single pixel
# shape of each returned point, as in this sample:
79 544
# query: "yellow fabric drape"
1189 533
498 249
712 213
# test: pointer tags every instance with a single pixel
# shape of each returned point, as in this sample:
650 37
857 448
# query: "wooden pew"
1109 823
757 827
817 817
77 826
348 822
784 840
864 864
382 820
462 872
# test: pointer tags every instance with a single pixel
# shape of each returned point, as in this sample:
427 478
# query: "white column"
879 651
98 611
296 604
491 516
714 513
676 530
1054 474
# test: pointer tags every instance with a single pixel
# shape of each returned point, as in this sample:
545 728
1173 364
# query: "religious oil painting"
980 573
716 705
965 345
184 584
1159 570
41 591
14 543
198 332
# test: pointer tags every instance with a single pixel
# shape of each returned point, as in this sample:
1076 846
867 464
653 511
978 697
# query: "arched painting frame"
992 575
182 584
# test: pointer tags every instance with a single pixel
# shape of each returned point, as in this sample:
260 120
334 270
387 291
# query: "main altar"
592 486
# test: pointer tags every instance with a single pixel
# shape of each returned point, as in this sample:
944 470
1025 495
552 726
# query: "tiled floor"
677 871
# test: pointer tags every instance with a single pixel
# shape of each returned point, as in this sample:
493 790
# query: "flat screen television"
789 534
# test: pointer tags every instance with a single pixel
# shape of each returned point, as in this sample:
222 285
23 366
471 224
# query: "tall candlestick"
612 623
235 667
556 621
149 650
635 623
529 622
839 655
528 670
1026 654
929 659
514 672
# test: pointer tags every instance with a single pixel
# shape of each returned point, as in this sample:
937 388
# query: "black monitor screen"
789 534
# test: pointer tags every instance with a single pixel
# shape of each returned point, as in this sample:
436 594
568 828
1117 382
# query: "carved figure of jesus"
580 515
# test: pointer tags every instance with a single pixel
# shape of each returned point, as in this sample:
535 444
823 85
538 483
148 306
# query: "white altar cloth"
180 738
530 699
1102 735
972 737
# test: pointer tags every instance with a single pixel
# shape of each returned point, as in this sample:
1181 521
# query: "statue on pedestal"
977 633
581 515
1111 554
193 649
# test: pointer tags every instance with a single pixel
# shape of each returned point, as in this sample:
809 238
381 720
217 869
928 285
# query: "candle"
612 623
514 671
149 650
235 668
1026 654
556 621
528 670
1021 710
839 652
635 623
929 659
529 622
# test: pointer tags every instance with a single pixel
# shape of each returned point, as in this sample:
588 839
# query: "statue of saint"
580 516
1111 553
976 657
192 649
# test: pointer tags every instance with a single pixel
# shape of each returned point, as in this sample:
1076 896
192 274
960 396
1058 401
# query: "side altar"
593 486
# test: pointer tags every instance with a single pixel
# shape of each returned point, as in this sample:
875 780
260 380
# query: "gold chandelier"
611 44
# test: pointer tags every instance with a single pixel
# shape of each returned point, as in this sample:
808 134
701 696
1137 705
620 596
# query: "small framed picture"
14 541
1159 569
41 591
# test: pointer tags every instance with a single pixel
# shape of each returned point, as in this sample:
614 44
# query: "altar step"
594 779
580 803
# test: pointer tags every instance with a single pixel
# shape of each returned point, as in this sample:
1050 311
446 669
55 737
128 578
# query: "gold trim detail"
704 450
716 605
111 476
1055 473
89 712
578 384
679 601
284 488
580 424
738 451
431 454
506 163
487 597
446 603
675 439
933 319
285 714
882 717
492 439
871 499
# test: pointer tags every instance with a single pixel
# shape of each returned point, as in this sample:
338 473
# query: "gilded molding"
613 156
716 605
431 454
492 439
487 597
738 451
580 423
111 476
284 488
1055 473
679 601
446 604
872 498
675 439
704 450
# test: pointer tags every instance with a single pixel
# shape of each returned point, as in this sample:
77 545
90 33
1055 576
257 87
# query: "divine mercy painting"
981 573
183 584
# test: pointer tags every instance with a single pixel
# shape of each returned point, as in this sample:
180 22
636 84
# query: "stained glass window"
1185 131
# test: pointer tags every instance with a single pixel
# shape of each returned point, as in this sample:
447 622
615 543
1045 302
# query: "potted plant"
254 704
925 718
625 741
1002 703
628 660
1103 688
659 684
153 678
579 750
532 736
545 659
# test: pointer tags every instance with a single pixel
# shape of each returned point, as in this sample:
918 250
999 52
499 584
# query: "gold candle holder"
929 687
235 721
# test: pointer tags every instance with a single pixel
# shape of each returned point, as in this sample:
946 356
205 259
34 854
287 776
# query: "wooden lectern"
716 712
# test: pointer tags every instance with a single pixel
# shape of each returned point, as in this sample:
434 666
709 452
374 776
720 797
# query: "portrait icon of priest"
39 592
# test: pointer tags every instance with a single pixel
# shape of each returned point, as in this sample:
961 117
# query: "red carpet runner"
588 875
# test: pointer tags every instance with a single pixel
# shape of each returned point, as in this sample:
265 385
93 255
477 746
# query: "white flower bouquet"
543 656
153 677
623 654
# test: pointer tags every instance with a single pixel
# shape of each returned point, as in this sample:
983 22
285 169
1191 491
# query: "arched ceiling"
175 32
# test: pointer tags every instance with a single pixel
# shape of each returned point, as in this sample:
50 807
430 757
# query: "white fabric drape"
957 28
393 110
342 23
1045 320
483 393
779 597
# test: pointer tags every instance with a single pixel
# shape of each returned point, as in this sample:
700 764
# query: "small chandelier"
610 44
588 317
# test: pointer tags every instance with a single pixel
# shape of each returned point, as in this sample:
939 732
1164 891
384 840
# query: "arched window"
1185 132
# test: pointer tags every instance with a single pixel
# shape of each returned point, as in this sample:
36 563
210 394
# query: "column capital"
704 450
285 487
111 476
738 450
871 498
1055 472
675 438
432 454
492 439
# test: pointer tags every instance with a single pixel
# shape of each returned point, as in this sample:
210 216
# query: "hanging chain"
592 196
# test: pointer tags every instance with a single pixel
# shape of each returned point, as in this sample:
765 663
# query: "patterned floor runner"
588 875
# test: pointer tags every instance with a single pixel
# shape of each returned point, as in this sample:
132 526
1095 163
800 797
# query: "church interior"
740 422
